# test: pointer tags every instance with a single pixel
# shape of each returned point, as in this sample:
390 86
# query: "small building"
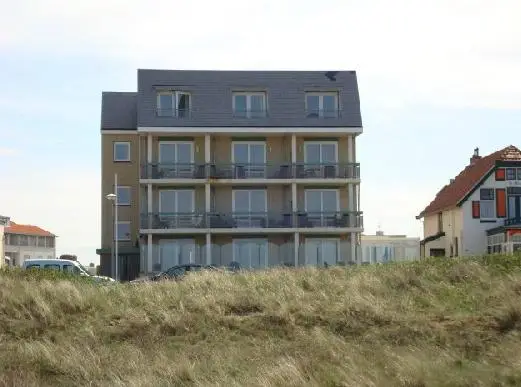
23 241
479 211
4 222
381 248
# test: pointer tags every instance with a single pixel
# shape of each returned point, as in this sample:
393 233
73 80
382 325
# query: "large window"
251 253
322 252
487 203
173 104
249 104
322 206
174 252
320 152
249 159
322 104
176 207
249 207
176 158
121 151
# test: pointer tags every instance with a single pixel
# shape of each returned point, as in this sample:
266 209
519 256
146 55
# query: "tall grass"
429 323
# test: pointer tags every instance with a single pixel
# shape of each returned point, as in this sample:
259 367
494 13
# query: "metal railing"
322 113
512 221
170 112
257 254
298 170
282 219
250 113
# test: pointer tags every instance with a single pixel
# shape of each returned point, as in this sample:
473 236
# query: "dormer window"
173 104
249 104
322 104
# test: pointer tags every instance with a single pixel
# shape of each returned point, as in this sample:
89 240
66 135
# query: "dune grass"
431 323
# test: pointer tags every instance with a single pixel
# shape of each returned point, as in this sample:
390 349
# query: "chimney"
452 180
475 156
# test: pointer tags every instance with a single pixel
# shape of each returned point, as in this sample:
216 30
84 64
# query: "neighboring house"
256 167
479 211
24 241
4 222
382 248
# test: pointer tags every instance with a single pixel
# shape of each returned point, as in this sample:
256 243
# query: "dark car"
179 271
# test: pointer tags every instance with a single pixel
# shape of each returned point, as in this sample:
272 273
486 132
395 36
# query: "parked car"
177 272
64 265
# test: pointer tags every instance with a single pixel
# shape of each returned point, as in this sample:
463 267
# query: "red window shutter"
500 174
501 203
475 209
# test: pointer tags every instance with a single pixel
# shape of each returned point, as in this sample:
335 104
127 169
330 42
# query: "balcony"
251 171
251 220
513 222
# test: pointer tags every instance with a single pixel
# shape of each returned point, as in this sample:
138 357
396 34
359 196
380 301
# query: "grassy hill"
431 323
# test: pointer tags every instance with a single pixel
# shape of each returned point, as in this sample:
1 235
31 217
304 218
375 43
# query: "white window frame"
176 144
335 143
234 192
236 241
491 202
192 191
129 189
337 191
320 95
116 143
174 96
252 170
248 95
129 229
322 240
178 243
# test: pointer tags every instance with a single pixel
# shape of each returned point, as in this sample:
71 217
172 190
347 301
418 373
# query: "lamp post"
113 197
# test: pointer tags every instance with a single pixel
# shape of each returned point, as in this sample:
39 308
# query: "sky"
437 78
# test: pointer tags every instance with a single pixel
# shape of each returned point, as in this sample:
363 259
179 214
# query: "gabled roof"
26 229
468 180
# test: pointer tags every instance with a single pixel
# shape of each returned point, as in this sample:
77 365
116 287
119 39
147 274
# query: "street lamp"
114 198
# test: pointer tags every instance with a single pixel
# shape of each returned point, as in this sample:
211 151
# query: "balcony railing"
251 171
512 221
283 219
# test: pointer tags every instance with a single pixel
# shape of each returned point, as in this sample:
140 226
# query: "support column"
354 257
296 247
150 252
208 247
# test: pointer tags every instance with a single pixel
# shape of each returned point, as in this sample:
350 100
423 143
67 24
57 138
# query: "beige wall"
452 226
128 175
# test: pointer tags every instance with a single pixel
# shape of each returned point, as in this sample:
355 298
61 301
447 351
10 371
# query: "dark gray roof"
211 102
118 110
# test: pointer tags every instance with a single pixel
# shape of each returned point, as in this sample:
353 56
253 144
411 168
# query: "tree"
91 264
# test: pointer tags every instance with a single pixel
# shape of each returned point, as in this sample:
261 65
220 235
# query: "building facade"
479 211
256 167
23 242
4 222
381 248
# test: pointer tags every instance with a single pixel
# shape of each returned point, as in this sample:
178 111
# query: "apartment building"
256 167
4 222
23 241
382 248
479 211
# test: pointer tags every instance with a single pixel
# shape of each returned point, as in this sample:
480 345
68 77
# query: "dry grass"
432 323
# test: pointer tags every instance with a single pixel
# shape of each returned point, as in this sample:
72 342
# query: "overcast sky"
437 79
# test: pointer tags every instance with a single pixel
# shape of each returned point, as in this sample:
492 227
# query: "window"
322 252
52 267
121 151
41 241
32 240
173 252
123 196
251 253
518 173
320 159
177 207
322 105
12 240
33 266
23 239
487 204
71 269
249 105
440 221
249 207
123 233
49 241
173 104
322 206
249 159
511 174
176 159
